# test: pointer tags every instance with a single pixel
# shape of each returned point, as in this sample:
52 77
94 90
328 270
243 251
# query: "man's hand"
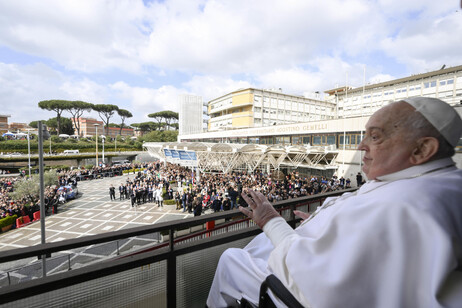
262 210
302 215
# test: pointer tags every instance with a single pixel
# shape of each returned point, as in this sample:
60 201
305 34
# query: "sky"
140 55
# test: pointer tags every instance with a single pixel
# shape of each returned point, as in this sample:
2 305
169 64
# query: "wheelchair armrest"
279 290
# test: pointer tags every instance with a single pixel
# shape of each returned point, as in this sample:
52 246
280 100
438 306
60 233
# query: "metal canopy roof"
226 157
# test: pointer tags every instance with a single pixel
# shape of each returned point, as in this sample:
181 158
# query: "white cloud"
85 90
25 86
210 48
80 35
210 87
258 36
425 45
144 101
22 87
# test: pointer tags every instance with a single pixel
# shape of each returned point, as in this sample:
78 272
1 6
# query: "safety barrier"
177 275
22 221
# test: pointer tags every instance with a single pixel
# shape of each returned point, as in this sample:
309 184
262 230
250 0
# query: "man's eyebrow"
375 128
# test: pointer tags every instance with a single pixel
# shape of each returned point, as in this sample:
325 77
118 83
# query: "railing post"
171 273
292 215
9 279
69 261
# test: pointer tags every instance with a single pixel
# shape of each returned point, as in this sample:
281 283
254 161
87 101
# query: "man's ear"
425 149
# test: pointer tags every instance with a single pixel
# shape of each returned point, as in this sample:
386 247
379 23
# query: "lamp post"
28 148
96 134
102 139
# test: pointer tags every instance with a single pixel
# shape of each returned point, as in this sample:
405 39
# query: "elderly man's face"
386 146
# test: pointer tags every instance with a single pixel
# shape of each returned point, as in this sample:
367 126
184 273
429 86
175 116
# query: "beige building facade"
252 107
342 128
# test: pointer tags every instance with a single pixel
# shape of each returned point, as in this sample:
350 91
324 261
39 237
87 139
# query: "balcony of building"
176 272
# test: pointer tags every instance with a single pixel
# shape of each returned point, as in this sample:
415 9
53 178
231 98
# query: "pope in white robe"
396 242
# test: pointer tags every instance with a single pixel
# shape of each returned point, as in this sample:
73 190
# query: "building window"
430 84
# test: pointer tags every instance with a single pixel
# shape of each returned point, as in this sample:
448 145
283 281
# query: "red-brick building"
88 128
4 123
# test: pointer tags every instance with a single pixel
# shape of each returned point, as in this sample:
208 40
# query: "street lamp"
103 138
28 148
96 134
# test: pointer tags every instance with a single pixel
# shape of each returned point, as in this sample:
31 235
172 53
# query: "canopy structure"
227 157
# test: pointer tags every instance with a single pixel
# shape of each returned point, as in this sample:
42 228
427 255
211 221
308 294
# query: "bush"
8 221
170 202
88 166
56 139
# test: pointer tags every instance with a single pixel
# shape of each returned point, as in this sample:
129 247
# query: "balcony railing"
174 273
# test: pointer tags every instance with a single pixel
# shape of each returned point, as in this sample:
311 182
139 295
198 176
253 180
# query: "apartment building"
191 114
89 127
4 123
445 84
247 108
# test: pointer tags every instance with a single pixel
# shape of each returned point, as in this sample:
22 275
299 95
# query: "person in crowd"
121 192
216 205
232 194
112 192
395 242
359 179
226 203
159 197
197 206
132 196
178 200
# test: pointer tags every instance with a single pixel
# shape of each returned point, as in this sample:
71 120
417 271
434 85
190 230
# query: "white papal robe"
396 242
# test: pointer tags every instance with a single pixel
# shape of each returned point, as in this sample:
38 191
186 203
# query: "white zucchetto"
442 116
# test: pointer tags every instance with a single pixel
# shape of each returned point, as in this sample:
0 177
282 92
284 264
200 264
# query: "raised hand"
262 210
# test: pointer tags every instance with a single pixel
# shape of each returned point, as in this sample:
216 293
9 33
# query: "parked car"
70 190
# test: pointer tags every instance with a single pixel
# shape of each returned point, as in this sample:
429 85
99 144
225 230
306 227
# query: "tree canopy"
105 111
57 106
166 117
146 126
124 114
76 109
30 188
66 125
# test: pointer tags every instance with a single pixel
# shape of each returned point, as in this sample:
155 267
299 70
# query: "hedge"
9 220
21 146
132 170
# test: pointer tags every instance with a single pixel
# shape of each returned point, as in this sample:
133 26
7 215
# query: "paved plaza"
91 213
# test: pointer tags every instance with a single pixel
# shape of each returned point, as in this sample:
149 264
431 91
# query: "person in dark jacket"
197 205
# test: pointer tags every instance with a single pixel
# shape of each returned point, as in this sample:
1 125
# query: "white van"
71 151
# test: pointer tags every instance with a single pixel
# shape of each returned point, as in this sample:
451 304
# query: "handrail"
101 269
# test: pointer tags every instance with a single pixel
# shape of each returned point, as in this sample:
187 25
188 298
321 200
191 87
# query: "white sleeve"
277 230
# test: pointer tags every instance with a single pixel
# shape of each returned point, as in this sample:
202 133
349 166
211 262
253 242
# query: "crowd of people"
54 195
219 192
25 206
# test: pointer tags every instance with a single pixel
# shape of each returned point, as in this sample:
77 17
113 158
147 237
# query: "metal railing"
168 252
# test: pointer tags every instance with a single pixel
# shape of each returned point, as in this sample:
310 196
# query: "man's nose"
362 145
